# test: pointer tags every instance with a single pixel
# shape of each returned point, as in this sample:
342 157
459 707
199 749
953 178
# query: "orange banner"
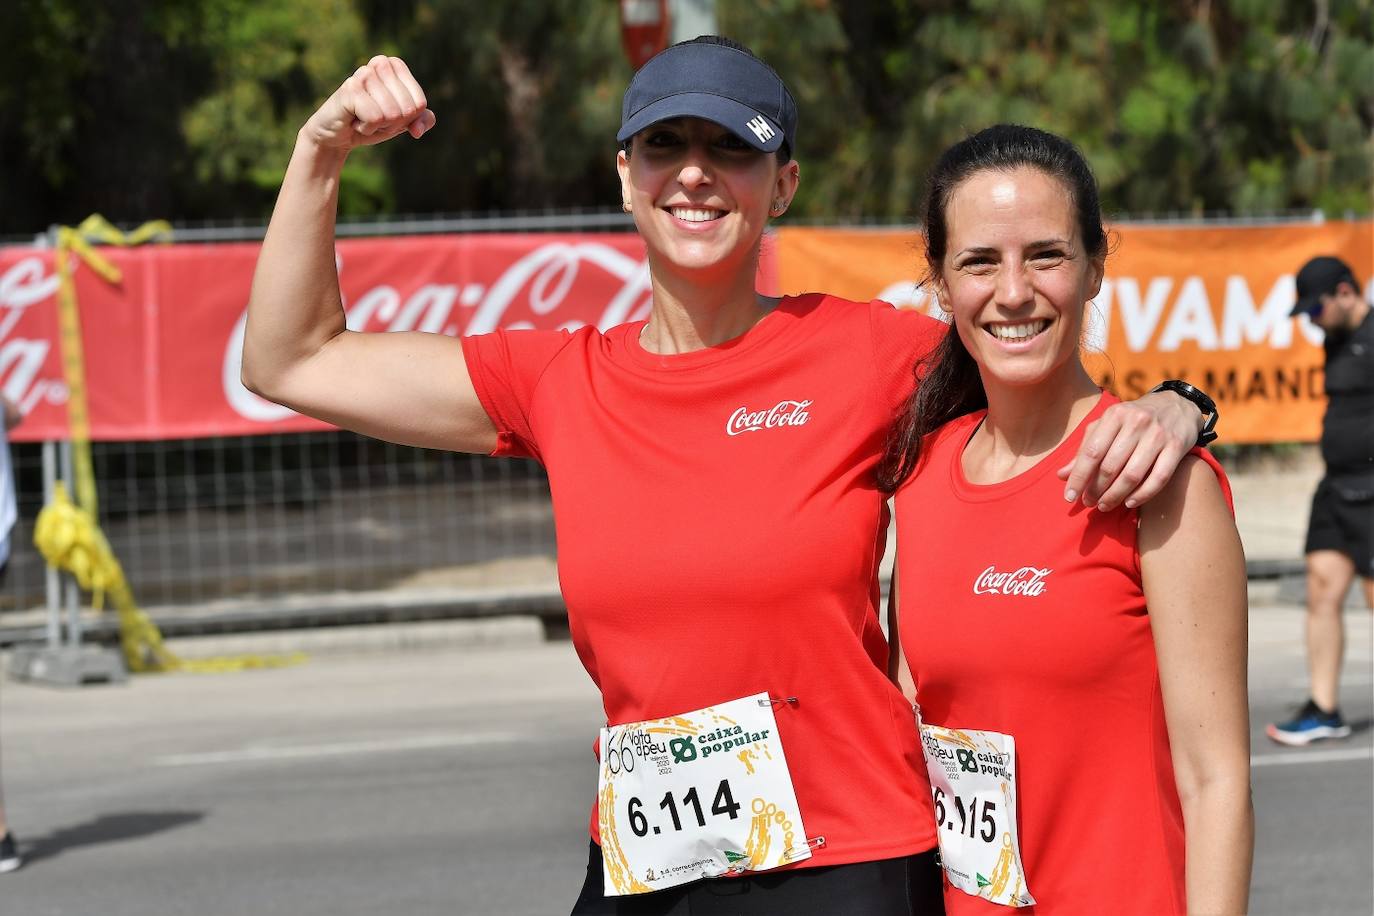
1208 304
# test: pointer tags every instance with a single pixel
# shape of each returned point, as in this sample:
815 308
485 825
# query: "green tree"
273 63
188 108
1247 106
527 96
88 96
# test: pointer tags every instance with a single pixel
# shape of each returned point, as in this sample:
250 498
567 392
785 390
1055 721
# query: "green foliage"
527 97
274 62
1200 106
85 91
189 108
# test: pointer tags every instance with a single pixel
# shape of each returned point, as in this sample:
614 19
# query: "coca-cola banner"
163 346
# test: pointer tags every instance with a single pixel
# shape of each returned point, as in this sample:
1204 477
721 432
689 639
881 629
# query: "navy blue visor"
716 83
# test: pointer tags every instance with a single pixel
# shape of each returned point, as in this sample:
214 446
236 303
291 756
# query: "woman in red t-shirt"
712 468
1080 674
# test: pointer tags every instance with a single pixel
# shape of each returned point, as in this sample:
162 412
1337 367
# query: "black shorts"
1343 520
911 886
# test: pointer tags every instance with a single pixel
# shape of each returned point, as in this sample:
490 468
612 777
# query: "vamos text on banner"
1206 304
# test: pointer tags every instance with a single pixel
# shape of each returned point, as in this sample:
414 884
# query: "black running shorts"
1343 520
910 886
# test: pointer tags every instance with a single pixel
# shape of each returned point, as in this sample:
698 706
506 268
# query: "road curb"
485 633
312 611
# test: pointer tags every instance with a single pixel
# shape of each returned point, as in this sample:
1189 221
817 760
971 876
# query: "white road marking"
1293 757
337 749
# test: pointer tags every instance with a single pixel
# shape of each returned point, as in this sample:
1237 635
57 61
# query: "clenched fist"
380 100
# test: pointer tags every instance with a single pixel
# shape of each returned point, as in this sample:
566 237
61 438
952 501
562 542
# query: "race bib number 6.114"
701 794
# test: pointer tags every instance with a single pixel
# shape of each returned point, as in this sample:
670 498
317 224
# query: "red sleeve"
901 339
506 367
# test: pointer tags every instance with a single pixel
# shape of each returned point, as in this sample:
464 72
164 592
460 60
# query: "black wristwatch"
1198 397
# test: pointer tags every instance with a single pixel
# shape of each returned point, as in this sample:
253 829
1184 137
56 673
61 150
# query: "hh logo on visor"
762 129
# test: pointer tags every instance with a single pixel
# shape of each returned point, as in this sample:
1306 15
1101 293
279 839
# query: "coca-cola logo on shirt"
1028 581
783 413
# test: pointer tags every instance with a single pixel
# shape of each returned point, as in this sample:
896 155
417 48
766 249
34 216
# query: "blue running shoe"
1310 724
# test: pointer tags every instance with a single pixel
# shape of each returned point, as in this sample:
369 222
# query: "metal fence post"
71 593
72 664
53 577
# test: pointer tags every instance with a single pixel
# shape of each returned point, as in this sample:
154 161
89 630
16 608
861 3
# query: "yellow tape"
67 533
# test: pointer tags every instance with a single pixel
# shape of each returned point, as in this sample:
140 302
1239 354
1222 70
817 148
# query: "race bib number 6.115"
701 794
973 784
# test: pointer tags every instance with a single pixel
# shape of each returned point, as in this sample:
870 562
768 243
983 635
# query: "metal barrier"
203 520
199 520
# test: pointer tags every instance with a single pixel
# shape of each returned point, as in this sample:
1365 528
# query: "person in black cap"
1340 531
712 467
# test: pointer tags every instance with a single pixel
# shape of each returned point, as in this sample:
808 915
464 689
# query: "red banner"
163 346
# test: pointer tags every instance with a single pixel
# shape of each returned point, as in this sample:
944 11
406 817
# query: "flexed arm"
409 387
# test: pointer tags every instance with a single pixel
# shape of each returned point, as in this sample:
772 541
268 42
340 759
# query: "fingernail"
1101 507
1130 504
1070 495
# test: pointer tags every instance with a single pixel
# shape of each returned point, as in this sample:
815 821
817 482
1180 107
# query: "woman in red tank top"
1080 674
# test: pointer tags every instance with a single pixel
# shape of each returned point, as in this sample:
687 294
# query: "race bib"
699 795
973 783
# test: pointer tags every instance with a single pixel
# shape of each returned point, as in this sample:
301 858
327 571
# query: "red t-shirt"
719 531
1060 656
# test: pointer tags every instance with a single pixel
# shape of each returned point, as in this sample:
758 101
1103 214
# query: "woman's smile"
1019 332
695 215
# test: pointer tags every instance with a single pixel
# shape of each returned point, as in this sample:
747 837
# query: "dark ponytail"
947 381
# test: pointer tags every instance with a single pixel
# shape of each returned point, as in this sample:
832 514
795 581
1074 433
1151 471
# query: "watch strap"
1200 399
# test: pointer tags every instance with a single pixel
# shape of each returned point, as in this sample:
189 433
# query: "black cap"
718 83
1320 277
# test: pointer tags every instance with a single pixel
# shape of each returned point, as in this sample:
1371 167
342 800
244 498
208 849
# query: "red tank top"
1024 614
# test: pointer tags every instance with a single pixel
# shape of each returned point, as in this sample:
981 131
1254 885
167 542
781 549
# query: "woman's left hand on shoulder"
1130 453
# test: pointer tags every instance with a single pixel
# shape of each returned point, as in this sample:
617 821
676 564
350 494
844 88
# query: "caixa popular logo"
722 740
1028 581
783 413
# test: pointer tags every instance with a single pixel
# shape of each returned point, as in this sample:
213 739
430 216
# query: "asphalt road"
458 781
1314 807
